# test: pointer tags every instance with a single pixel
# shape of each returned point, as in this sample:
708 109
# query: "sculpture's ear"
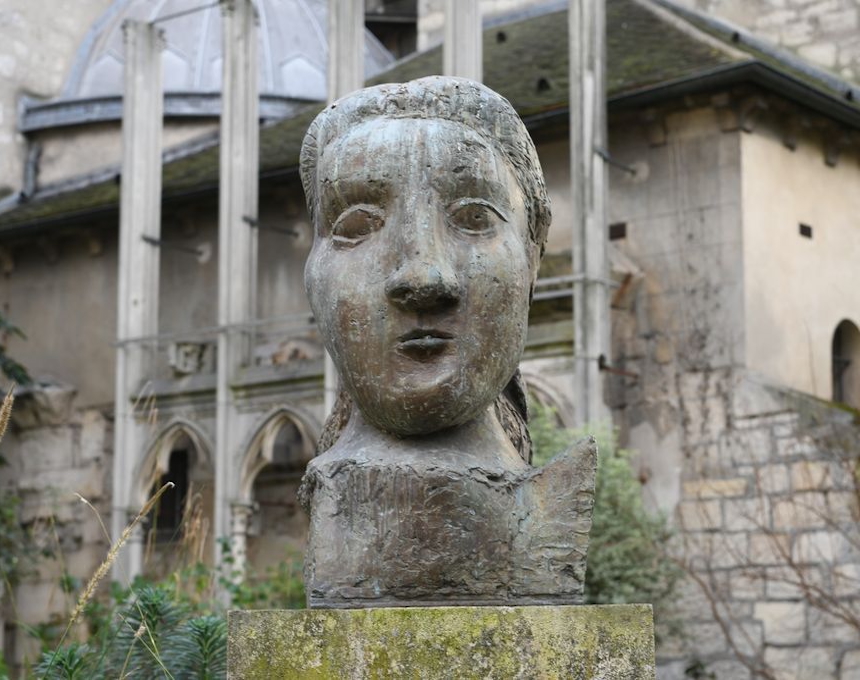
336 421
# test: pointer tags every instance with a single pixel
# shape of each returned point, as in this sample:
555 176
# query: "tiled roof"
649 49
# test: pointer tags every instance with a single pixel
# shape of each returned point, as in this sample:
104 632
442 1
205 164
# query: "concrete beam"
345 47
237 241
587 31
463 49
345 75
137 280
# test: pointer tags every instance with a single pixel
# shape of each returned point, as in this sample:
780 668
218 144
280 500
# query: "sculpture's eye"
474 216
355 224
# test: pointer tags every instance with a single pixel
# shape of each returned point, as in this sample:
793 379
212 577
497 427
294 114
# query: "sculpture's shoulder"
553 520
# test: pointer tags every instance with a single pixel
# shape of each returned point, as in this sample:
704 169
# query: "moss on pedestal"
571 642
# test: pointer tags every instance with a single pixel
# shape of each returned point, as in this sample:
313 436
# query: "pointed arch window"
167 519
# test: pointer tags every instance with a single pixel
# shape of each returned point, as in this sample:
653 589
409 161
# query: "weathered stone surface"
430 213
574 643
437 527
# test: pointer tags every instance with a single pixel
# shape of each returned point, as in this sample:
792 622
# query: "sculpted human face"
419 276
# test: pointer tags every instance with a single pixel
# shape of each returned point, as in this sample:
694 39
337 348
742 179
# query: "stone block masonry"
769 538
613 642
822 31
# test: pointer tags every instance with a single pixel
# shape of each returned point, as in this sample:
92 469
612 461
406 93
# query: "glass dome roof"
293 53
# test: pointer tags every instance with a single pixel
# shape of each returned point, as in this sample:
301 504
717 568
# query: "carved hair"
454 99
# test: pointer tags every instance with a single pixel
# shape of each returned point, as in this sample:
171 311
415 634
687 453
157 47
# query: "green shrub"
174 628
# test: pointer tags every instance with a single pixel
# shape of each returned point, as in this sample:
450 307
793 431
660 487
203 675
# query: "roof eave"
748 72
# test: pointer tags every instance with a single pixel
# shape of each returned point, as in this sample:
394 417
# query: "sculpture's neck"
481 442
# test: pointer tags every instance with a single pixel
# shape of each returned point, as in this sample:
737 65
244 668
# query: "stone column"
463 49
237 240
240 518
345 75
137 279
587 31
345 47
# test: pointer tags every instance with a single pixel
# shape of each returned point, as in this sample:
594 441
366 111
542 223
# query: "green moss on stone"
579 643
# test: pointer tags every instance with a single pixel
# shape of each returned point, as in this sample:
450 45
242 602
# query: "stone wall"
767 531
826 32
35 54
57 456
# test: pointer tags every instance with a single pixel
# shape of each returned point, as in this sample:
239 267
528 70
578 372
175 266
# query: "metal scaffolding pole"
587 39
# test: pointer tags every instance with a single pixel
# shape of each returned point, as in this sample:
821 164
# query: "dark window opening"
617 231
501 37
805 230
394 23
543 85
167 521
845 355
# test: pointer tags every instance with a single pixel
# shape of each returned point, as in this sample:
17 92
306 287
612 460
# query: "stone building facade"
824 32
732 249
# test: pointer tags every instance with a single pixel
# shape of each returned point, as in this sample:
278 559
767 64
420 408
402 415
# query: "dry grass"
6 410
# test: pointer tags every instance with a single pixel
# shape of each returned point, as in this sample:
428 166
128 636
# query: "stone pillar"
240 518
345 75
463 49
237 240
587 29
136 542
345 47
137 279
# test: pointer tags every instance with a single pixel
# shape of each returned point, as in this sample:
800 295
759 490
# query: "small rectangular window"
805 230
617 231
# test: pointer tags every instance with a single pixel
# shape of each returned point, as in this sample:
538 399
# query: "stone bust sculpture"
430 214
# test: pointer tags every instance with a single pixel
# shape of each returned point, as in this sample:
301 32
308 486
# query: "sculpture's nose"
419 285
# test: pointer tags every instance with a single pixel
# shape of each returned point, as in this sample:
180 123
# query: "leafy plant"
8 366
175 628
72 662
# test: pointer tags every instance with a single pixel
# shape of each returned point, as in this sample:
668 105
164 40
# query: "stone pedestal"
571 642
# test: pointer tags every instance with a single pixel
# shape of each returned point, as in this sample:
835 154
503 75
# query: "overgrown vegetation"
627 557
176 627
8 366
173 628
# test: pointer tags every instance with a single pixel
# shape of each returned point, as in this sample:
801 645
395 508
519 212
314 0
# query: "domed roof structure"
293 49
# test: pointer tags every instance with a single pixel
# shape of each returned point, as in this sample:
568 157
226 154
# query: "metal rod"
171 246
303 322
278 230
605 155
184 12
604 366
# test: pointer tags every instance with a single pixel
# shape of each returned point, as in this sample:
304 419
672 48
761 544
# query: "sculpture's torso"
435 526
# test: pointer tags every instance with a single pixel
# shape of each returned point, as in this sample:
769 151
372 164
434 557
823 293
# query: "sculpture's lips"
424 343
